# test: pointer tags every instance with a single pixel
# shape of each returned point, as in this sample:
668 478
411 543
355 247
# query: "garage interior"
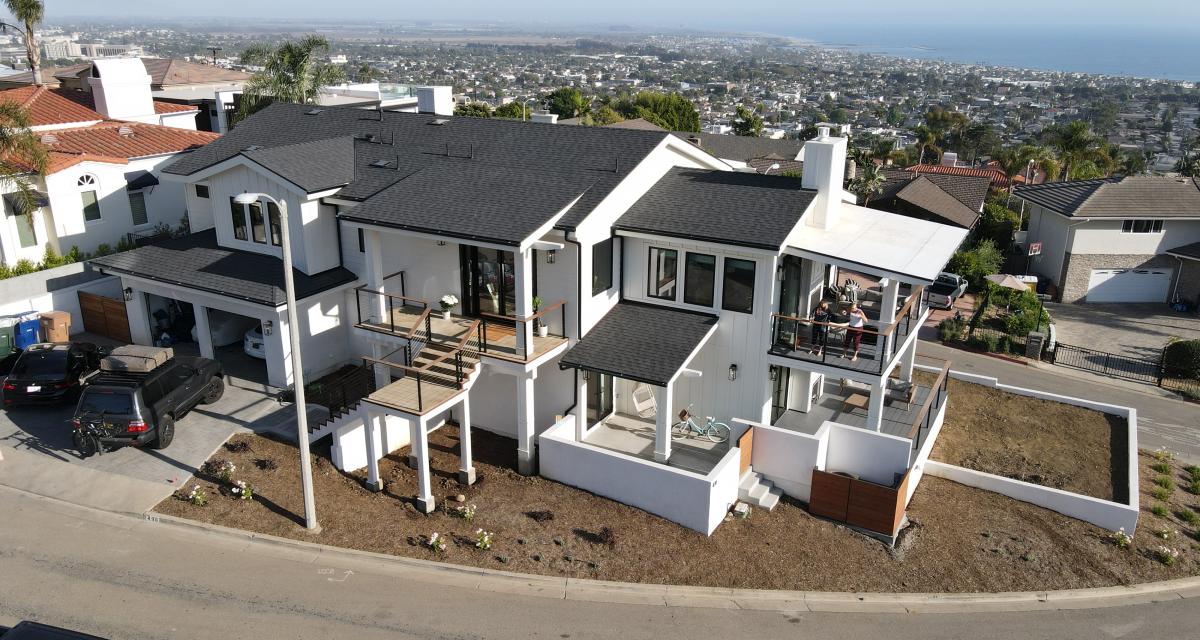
173 323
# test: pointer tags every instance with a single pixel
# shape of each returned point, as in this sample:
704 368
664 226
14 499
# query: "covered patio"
634 435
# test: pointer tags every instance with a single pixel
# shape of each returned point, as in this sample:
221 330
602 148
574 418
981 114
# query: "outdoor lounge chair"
644 402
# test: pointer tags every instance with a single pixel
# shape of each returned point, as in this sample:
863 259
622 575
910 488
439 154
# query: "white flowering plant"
1164 533
437 542
1121 539
466 512
483 539
1166 555
448 301
242 490
197 496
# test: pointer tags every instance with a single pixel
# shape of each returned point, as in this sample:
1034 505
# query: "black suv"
141 408
50 372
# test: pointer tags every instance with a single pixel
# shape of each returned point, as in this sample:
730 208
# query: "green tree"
21 154
568 102
927 140
1133 162
474 110
747 124
977 263
604 115
293 71
670 111
30 13
868 180
997 224
515 110
1013 162
1081 151
366 73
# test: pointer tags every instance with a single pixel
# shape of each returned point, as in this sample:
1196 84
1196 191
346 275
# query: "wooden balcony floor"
501 338
402 395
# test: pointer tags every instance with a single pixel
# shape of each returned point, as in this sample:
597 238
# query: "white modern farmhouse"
574 288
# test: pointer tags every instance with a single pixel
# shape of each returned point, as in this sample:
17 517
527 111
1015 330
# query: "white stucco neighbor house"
603 280
1125 239
101 182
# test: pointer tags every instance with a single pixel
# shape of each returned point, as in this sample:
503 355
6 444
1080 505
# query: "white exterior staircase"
758 491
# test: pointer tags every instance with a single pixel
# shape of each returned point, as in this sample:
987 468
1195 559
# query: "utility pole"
214 51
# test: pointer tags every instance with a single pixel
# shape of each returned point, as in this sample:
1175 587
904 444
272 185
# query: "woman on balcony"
854 333
821 317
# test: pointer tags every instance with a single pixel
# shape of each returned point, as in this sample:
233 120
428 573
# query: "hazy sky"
772 15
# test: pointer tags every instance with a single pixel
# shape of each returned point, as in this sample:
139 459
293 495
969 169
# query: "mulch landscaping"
1046 443
961 540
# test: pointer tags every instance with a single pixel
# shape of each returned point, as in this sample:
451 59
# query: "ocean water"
1171 52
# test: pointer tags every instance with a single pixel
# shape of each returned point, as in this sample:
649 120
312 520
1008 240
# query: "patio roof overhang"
642 342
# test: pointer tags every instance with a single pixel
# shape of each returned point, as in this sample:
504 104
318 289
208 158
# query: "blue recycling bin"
27 333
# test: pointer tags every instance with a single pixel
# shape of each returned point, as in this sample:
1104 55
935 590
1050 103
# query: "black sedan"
50 372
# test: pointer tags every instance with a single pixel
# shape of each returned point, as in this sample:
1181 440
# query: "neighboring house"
101 182
606 279
764 155
945 198
1117 239
997 177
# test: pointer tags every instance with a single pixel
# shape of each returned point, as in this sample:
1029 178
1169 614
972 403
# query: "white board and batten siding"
740 339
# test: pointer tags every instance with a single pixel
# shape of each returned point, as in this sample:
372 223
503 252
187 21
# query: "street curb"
564 588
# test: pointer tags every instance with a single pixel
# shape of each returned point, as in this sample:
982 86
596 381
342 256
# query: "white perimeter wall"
29 293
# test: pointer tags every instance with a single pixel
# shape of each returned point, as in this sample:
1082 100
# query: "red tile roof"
49 106
118 142
999 180
88 100
171 107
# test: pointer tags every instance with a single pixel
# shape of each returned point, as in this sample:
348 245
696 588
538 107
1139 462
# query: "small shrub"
1161 467
23 266
991 342
242 490
1193 471
1194 487
102 250
1188 515
1121 539
540 516
607 537
1181 359
221 469
197 496
266 464
124 244
240 446
466 512
1164 455
1164 533
483 539
1165 555
51 259
74 255
437 542
5 271
951 329
1165 482
1160 493
1159 510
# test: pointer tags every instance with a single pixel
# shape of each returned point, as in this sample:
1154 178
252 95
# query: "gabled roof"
118 142
929 196
317 165
1125 197
1188 251
197 262
997 177
726 207
956 199
743 148
88 99
49 106
641 342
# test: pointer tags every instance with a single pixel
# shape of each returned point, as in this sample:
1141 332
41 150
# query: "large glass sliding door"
792 292
600 397
489 281
780 378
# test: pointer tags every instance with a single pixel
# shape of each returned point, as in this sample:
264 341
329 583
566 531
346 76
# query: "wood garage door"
1129 285
104 316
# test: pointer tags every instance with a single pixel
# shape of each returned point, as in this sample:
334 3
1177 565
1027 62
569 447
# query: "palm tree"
1013 163
1081 150
1042 158
868 182
926 139
292 72
21 154
30 12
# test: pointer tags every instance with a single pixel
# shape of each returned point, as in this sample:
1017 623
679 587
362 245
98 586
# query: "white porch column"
907 361
383 373
139 317
526 448
377 305
581 406
466 463
887 315
420 448
371 428
524 266
662 422
875 407
203 334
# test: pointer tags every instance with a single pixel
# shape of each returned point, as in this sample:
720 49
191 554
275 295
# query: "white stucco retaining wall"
695 501
787 458
54 289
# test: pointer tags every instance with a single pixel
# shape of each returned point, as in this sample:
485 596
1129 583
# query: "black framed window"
273 221
602 266
664 270
137 207
699 278
362 241
738 286
201 191
1141 226
237 213
258 227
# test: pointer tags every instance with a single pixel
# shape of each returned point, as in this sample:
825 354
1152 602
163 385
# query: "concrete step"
771 500
757 493
749 479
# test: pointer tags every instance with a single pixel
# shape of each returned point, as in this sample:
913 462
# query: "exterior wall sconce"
128 294
267 326
732 372
774 373
779 273
441 243
550 257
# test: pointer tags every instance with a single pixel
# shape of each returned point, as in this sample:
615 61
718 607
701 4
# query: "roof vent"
367 137
313 112
253 147
381 163
49 138
439 121
125 131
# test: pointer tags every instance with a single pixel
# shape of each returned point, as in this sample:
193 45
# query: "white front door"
1129 285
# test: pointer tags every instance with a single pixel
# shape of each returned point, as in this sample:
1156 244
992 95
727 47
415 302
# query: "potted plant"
447 303
542 329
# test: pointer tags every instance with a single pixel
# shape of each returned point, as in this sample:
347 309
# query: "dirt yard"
1038 441
962 540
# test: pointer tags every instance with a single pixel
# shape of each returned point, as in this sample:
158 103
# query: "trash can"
26 334
56 326
7 339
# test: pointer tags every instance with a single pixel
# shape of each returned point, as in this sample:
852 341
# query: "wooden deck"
501 338
402 395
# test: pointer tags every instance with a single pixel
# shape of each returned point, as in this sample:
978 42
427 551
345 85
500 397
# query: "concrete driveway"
38 455
1137 330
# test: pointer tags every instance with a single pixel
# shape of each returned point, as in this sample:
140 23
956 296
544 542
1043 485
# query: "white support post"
875 407
907 362
526 452
383 373
466 463
371 425
581 406
377 304
203 332
887 315
420 446
524 282
662 423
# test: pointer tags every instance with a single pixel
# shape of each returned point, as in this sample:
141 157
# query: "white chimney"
950 159
436 100
544 117
824 171
121 89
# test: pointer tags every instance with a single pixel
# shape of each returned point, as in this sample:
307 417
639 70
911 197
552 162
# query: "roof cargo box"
136 359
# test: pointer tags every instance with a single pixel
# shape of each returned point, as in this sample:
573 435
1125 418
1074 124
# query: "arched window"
91 204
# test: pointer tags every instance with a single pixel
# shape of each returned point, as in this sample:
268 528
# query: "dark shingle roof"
956 199
931 197
1127 197
640 342
741 209
744 148
313 166
972 191
499 145
197 262
1190 251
